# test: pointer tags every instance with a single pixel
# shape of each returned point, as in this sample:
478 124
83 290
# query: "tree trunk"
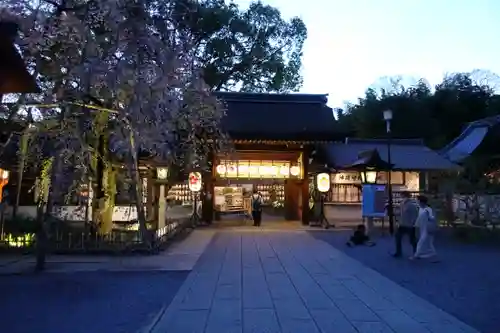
137 183
20 170
43 198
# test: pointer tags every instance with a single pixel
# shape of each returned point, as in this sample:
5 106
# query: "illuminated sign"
257 169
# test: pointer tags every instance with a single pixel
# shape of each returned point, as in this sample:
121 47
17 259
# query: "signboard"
195 181
355 177
374 200
347 178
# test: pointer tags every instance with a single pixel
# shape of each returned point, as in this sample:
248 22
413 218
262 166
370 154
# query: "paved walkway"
266 282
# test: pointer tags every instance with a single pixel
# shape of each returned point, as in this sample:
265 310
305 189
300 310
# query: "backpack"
432 224
257 203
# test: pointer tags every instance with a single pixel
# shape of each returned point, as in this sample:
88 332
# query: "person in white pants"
427 226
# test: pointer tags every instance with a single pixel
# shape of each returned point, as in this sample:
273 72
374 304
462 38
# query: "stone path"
267 282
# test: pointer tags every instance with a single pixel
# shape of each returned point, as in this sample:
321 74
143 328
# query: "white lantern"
369 177
253 170
274 171
295 171
195 181
264 170
221 169
285 170
242 169
323 182
162 173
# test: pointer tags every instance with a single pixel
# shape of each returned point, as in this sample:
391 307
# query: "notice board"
374 200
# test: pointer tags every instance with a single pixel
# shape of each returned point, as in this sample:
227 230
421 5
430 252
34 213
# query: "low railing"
116 242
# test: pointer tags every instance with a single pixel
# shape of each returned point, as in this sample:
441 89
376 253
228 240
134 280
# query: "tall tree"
128 83
248 50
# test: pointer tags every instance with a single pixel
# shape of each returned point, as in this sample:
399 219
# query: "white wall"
77 213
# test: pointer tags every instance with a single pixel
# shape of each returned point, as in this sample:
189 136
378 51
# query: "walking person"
409 213
427 226
257 208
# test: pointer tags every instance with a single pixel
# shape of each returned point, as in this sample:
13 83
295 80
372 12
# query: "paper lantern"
323 182
195 181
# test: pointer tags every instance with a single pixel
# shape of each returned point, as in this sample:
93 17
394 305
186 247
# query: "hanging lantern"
194 181
285 170
295 170
221 169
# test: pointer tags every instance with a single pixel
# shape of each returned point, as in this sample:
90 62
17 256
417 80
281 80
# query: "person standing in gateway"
257 208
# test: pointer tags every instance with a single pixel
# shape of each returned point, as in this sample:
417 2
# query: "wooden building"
273 136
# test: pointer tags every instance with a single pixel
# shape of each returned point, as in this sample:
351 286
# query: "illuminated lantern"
285 170
369 176
274 171
221 169
195 181
295 171
264 170
4 179
253 170
162 173
323 182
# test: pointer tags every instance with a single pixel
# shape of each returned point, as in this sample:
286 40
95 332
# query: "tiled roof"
474 135
278 117
405 154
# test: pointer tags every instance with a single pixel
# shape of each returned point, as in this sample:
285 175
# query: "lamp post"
323 184
162 176
390 206
369 177
195 187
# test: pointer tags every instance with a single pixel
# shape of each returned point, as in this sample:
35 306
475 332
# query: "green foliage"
436 114
249 50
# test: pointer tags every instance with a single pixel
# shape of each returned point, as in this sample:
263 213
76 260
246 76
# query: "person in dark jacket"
407 219
257 201
360 237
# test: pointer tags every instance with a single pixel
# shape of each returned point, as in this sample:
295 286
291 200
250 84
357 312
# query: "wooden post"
305 188
150 215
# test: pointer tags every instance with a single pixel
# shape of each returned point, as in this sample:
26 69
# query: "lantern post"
323 184
162 177
195 185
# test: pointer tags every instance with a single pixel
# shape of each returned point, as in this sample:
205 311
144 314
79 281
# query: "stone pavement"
267 282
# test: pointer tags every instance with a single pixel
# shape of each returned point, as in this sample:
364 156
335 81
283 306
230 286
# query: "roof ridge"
414 142
272 97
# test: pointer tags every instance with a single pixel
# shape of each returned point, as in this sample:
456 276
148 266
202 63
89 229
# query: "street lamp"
368 176
390 205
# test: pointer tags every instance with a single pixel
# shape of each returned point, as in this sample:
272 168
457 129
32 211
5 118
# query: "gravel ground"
466 283
85 302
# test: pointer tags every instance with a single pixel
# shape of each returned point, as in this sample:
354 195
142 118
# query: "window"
344 193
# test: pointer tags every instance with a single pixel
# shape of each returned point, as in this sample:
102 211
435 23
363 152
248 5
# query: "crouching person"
360 237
